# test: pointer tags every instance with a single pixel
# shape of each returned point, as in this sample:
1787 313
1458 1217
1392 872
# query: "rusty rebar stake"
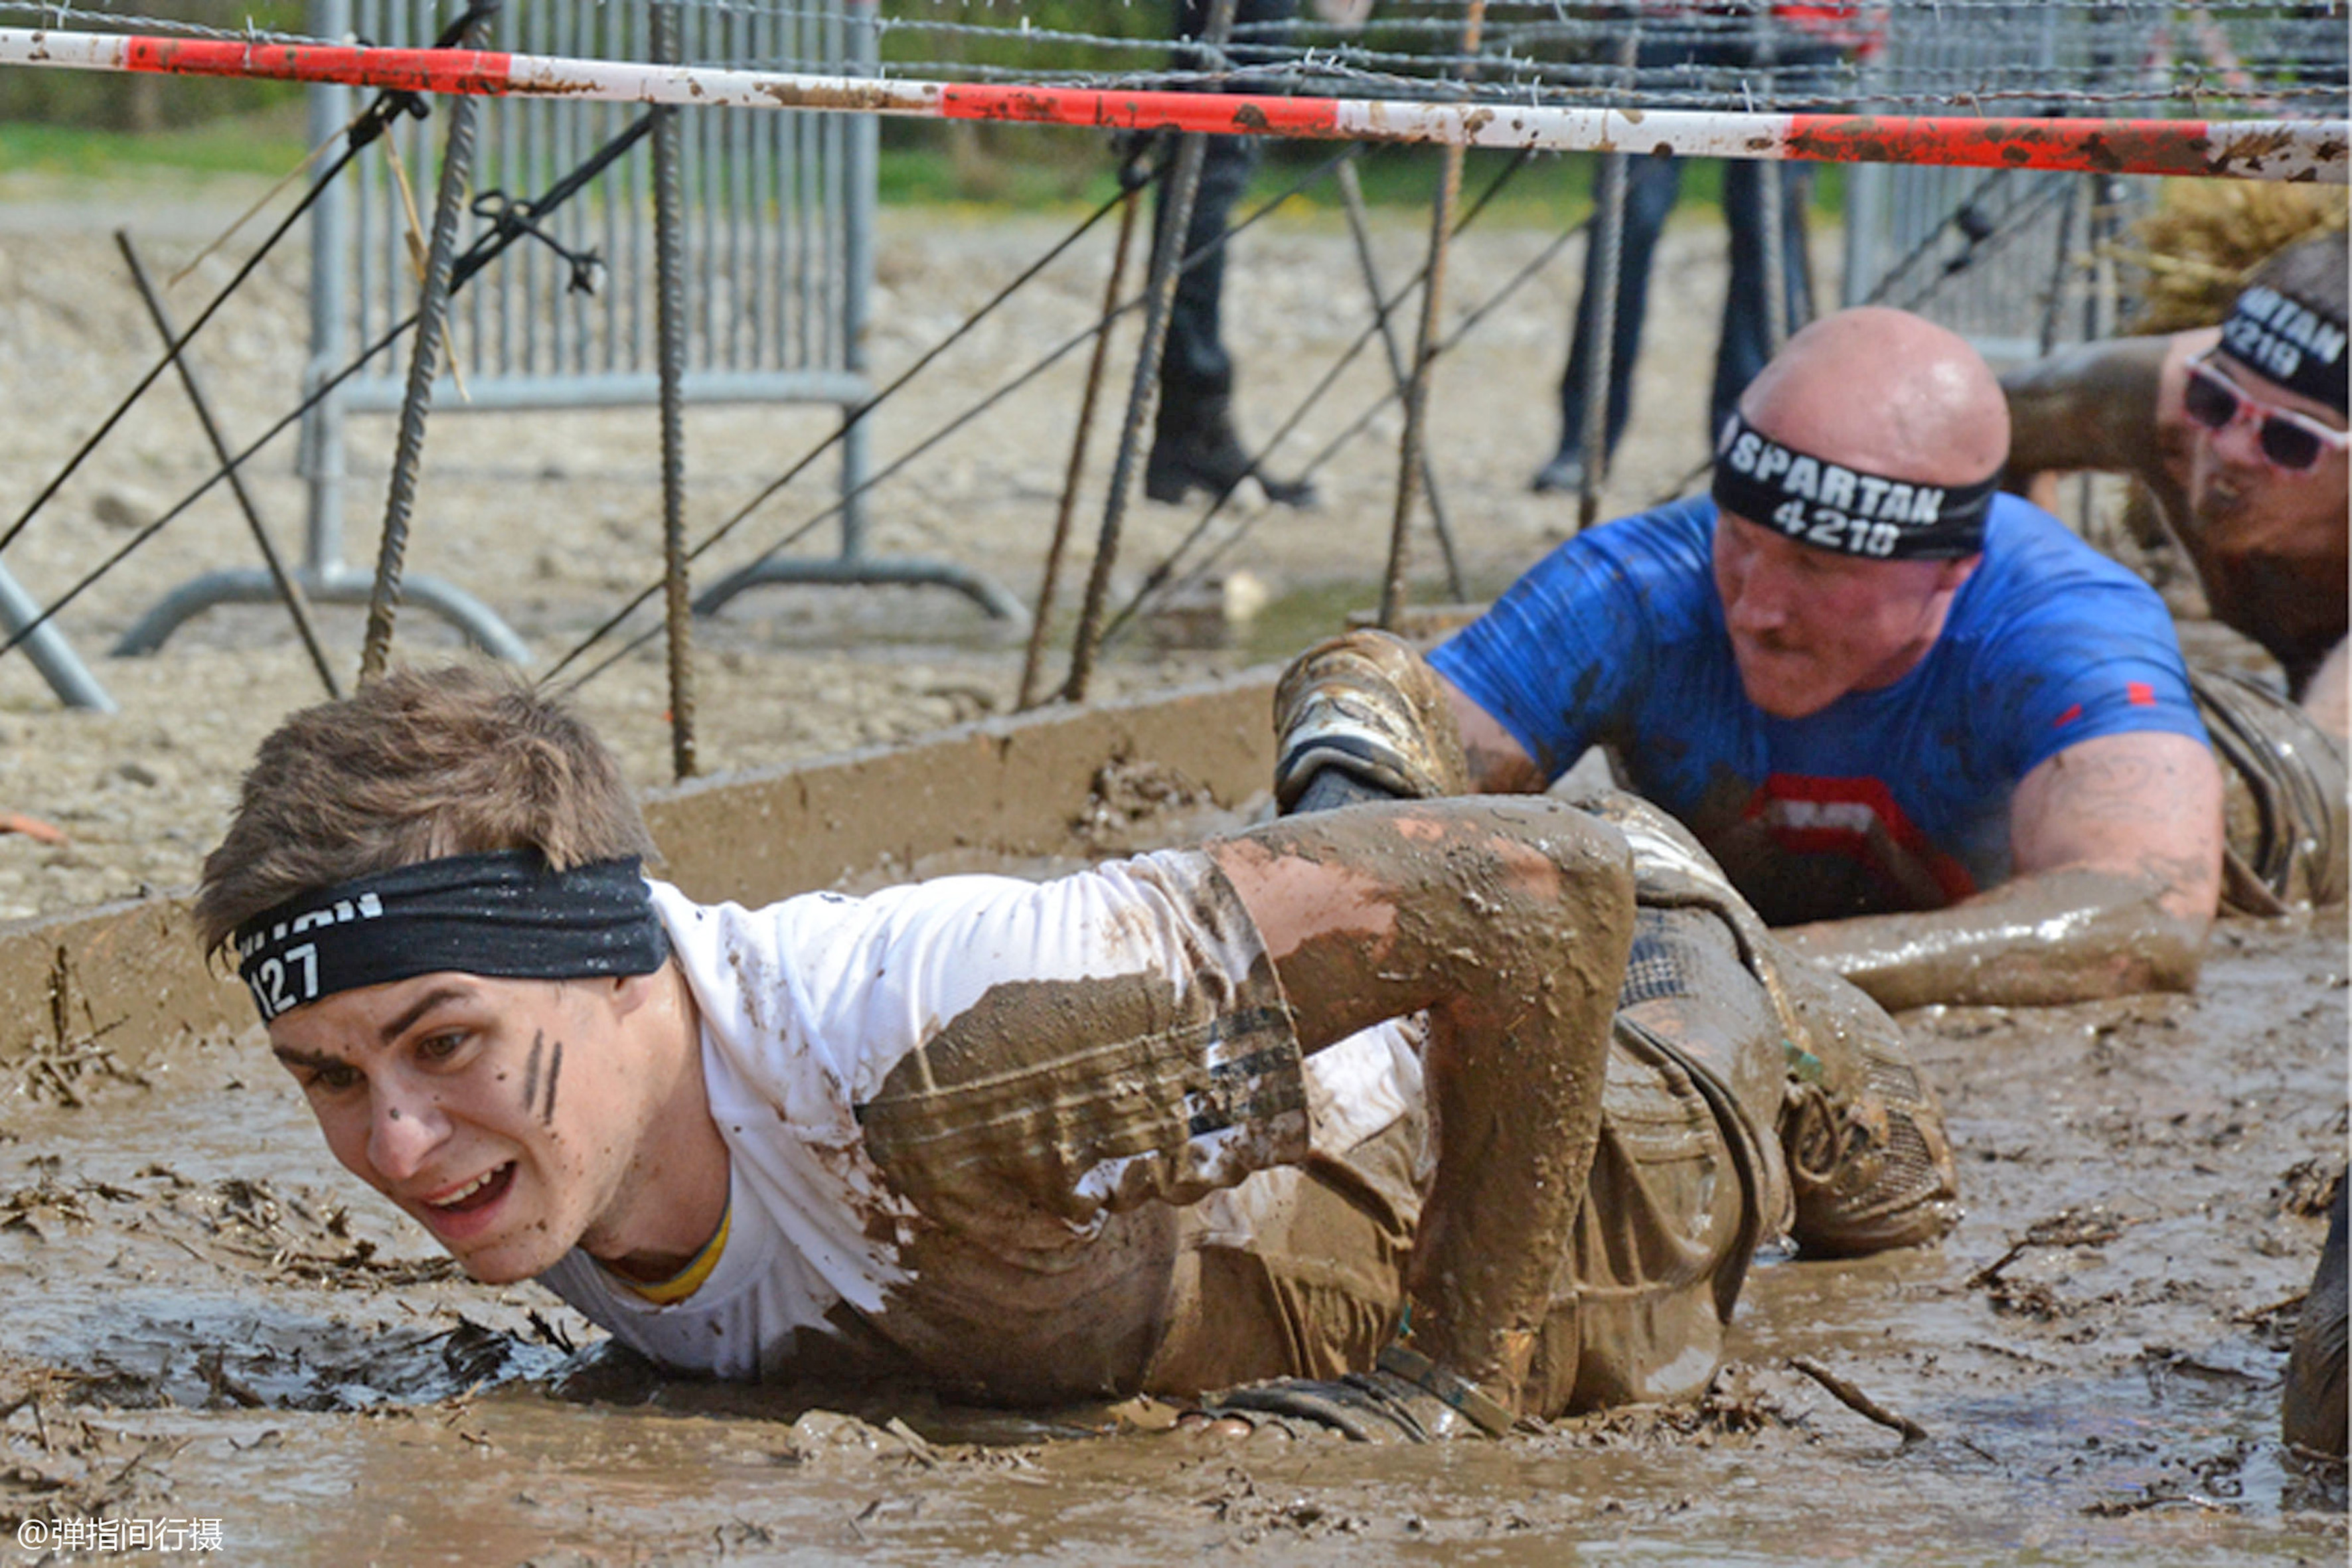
432 321
1351 200
669 268
1143 391
1416 397
1041 619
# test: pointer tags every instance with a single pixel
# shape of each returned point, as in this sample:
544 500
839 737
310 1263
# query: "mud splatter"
554 1075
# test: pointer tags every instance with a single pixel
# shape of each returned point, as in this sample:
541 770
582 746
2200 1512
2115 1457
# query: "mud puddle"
206 1320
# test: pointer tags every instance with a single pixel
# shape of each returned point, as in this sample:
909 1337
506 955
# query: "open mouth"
478 1194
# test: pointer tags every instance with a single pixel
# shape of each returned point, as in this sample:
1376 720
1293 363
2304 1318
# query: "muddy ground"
206 1321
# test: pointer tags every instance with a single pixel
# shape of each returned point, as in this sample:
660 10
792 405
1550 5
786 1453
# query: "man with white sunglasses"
2239 433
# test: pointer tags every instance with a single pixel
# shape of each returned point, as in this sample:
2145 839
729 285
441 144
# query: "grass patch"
1008 169
267 144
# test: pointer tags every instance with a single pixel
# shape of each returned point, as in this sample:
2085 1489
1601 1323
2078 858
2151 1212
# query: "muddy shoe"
1196 449
2313 1401
1406 1398
1363 1406
1365 704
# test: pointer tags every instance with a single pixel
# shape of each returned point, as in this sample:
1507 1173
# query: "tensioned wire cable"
958 422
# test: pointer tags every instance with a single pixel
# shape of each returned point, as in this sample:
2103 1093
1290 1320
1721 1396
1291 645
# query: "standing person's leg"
1194 443
1651 187
1196 374
1508 923
1747 341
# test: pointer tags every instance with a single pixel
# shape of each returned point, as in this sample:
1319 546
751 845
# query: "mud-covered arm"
2117 847
2098 407
1497 763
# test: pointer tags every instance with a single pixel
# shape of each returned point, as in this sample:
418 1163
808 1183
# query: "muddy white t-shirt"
806 1006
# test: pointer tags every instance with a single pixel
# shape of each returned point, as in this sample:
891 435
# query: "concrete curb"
128 977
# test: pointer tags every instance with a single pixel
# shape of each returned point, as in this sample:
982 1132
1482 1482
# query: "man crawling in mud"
1951 748
1169 1125
2239 434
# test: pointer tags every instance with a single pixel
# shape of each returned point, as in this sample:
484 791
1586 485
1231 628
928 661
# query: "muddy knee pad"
1368 706
1688 985
1869 1160
2283 804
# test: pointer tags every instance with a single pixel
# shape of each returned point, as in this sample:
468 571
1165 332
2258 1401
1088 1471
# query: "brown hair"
463 759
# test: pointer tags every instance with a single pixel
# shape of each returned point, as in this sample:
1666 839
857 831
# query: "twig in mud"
190 1250
31 827
169 1450
550 1333
1990 1273
1858 1402
226 1385
2013 1353
2264 1314
2120 1507
917 1446
2092 1226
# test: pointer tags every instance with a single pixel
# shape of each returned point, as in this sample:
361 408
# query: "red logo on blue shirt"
1858 818
2138 693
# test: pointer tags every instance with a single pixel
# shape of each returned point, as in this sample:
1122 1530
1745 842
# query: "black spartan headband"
2278 336
504 915
1835 507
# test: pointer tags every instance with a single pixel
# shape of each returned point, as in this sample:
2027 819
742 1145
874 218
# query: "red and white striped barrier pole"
2308 149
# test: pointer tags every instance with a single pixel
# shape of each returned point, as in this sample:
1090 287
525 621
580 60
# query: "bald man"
1913 719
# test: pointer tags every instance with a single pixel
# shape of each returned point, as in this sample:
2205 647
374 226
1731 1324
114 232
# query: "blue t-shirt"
1891 799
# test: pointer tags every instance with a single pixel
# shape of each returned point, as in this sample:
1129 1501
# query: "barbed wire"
2082 56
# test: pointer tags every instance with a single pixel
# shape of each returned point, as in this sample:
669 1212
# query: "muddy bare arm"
1499 764
1509 923
2116 844
2101 407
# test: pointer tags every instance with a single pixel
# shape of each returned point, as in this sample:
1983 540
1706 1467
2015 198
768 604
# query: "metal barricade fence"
777 242
779 211
1970 249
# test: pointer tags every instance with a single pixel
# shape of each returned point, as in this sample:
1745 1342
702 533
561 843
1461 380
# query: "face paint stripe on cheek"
555 1071
531 1069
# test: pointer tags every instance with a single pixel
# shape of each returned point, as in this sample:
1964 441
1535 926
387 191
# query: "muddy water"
204 1319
